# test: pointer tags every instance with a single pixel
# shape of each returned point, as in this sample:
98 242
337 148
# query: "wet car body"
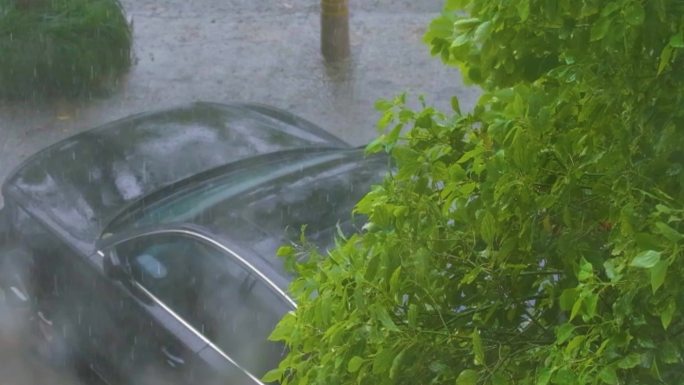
150 242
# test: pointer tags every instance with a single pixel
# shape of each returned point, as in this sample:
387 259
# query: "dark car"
149 244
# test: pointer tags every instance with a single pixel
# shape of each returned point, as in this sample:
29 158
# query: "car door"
240 307
144 335
186 286
239 333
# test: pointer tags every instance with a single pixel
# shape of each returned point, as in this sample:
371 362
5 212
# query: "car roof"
77 186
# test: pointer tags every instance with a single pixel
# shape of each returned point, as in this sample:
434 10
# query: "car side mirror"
113 268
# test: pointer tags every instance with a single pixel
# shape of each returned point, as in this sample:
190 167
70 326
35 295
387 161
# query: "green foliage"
61 47
537 240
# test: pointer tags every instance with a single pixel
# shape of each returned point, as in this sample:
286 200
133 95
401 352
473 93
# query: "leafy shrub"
61 47
536 240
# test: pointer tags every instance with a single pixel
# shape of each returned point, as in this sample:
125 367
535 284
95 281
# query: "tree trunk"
335 29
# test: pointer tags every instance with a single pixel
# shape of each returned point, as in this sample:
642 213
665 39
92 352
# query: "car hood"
79 184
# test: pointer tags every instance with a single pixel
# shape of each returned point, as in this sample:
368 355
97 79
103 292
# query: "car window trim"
196 332
194 234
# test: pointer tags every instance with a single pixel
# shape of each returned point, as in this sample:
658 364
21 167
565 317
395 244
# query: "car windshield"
317 202
263 207
191 200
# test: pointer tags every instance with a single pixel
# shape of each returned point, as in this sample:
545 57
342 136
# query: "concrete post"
335 29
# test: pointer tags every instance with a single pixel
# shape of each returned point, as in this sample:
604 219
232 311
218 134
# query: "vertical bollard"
335 29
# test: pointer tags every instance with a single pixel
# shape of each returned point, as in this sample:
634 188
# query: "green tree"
535 240
62 47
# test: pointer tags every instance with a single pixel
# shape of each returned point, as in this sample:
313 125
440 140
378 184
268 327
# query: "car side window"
170 267
212 291
240 319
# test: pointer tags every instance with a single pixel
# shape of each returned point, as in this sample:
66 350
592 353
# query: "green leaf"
589 9
668 232
466 23
478 349
669 353
544 376
354 364
600 28
413 315
630 361
576 307
661 208
455 106
586 271
574 344
610 8
455 5
634 13
611 270
438 367
395 280
523 10
565 377
647 240
272 375
383 105
499 379
285 251
665 56
467 377
376 145
567 299
488 228
667 313
385 120
590 302
476 152
646 259
383 361
397 364
677 41
564 332
284 328
481 32
608 375
383 316
658 274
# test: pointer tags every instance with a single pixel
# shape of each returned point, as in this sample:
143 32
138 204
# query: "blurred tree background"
61 47
533 240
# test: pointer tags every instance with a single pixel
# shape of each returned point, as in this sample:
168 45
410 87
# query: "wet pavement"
239 50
